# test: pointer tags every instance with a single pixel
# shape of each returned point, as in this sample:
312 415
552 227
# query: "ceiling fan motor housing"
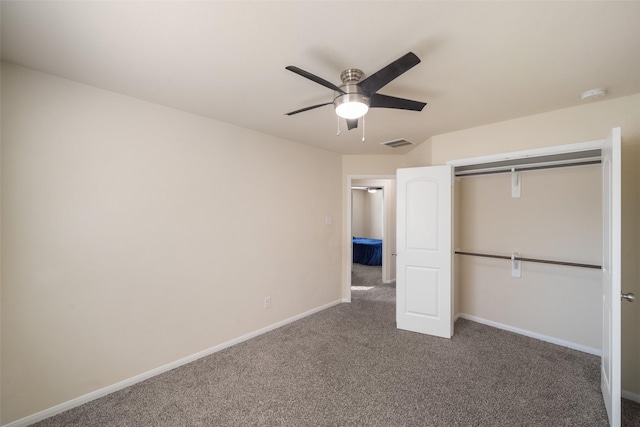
351 75
353 92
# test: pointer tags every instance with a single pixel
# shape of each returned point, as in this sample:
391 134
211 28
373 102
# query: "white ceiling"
482 62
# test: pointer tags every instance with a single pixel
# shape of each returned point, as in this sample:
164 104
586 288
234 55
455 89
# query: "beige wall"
584 123
375 216
135 235
358 220
367 214
419 156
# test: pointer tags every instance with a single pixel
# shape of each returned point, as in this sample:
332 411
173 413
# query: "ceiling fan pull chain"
338 134
363 129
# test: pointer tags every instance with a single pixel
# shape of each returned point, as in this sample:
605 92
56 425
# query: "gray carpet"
366 284
350 366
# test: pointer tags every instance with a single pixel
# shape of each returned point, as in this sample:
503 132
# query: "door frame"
385 219
536 152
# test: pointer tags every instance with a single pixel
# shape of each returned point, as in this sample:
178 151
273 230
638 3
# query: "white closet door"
423 240
611 269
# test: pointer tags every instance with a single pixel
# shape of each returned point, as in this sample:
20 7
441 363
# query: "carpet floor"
349 366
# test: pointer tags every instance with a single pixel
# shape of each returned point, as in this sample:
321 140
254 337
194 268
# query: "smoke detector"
593 94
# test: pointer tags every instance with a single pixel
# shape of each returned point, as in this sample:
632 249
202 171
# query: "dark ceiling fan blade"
376 81
314 78
378 100
352 123
307 108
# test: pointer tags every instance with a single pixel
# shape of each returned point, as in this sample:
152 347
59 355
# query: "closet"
528 248
559 204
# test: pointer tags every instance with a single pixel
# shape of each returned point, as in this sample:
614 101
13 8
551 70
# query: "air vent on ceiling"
397 143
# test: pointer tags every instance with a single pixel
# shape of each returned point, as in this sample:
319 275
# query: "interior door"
424 248
611 276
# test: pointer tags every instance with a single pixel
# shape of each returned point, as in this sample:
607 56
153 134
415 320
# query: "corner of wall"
419 156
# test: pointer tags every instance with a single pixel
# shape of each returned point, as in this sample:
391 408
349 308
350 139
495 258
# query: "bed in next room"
367 251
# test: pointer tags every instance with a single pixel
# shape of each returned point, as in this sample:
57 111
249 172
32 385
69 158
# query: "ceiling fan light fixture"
351 105
352 110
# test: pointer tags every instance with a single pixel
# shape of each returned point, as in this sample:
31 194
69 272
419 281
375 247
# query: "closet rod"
544 261
524 169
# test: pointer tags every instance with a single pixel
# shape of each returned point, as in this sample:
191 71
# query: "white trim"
631 396
58 409
531 334
536 152
348 220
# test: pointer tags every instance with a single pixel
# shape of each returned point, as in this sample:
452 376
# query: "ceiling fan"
353 98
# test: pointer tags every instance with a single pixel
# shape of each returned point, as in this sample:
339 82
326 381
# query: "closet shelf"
543 261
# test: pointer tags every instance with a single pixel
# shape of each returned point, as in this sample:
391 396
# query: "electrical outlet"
267 302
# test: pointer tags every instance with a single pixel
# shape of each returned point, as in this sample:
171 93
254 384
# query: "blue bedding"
367 251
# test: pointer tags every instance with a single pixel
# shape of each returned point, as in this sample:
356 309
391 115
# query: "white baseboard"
388 282
58 409
541 337
631 396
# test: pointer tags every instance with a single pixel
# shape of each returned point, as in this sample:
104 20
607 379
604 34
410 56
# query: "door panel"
610 377
422 291
422 214
423 242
